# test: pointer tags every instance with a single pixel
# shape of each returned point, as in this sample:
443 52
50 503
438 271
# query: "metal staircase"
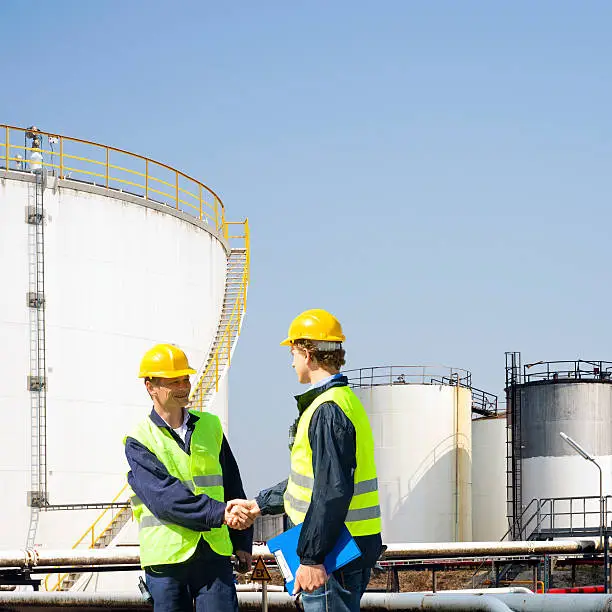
214 368
230 323
95 537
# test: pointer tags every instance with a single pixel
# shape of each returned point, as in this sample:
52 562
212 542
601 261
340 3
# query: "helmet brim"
164 374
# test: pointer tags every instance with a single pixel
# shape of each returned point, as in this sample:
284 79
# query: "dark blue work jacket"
333 441
170 500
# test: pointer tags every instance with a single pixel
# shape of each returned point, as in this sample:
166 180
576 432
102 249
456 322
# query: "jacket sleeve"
270 501
166 496
232 486
333 441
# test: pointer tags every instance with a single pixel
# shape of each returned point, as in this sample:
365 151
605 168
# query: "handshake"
240 513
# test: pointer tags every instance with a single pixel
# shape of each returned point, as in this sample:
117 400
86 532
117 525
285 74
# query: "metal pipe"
250 601
255 587
388 601
606 565
525 602
264 597
602 520
88 556
31 558
129 555
458 537
552 602
530 602
460 549
40 600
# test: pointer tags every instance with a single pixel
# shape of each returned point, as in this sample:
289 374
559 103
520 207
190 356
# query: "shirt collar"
324 381
189 418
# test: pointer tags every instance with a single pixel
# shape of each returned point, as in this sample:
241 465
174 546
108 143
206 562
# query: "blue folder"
284 548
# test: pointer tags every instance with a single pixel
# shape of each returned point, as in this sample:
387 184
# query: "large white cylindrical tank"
489 520
121 274
422 436
551 468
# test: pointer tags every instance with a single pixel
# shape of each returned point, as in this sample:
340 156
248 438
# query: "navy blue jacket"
170 500
333 441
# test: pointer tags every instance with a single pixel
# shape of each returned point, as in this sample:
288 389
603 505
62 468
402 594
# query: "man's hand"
254 509
250 505
245 560
237 514
309 577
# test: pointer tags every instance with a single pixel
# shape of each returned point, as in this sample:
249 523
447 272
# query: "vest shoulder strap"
142 433
338 395
210 422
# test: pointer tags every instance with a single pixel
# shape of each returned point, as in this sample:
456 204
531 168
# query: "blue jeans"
207 578
342 593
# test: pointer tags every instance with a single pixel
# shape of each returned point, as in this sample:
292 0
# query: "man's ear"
310 360
150 387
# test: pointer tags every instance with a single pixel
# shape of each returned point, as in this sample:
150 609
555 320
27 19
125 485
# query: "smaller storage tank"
421 420
544 399
489 521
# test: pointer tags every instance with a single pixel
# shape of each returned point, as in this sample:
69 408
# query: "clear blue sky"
437 174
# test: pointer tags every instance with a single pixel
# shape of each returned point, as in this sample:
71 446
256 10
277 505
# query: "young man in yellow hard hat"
183 475
333 475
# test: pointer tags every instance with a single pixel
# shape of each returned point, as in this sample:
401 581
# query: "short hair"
328 360
154 380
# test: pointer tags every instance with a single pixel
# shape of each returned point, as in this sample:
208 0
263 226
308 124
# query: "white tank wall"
489 521
551 468
570 476
120 277
422 437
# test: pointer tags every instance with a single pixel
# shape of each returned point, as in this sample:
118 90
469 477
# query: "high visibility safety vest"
164 543
363 516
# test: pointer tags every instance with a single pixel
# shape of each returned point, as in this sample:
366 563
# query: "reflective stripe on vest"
363 516
365 486
162 542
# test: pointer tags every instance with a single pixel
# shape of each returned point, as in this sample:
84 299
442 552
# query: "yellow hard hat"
164 361
315 324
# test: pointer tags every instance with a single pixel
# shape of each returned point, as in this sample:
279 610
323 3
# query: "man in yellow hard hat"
183 474
333 478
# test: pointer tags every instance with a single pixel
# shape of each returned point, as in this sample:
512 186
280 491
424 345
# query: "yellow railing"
243 241
112 168
221 356
91 537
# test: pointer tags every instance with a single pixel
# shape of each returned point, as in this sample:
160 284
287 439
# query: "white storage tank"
423 445
103 254
545 399
489 521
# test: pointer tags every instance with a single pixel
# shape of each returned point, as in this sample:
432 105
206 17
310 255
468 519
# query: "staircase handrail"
539 512
519 519
203 386
226 339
